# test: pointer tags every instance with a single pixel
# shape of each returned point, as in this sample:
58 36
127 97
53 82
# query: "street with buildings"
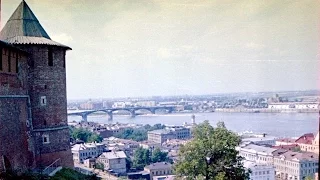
268 157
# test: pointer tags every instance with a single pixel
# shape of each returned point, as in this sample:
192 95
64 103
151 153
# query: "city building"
181 132
260 171
114 160
33 105
296 165
81 152
161 135
90 162
159 169
256 153
285 141
145 103
294 105
129 146
262 140
308 142
149 145
170 132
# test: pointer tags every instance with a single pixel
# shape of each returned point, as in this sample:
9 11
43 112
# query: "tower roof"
23 27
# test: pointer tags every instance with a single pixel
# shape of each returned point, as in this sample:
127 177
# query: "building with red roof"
309 142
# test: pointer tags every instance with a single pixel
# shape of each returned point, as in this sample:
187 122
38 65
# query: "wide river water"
275 124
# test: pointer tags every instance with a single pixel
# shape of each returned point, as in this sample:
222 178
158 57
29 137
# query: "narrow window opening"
43 100
45 139
50 57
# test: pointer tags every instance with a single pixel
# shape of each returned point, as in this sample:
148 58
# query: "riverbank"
267 110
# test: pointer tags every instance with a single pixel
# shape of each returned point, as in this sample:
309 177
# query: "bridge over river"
132 110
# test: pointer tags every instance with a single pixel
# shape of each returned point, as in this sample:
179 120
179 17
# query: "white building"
159 169
173 132
260 171
296 165
258 154
114 160
263 140
294 105
119 105
145 103
80 152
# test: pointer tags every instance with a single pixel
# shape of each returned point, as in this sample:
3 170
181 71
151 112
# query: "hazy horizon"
168 48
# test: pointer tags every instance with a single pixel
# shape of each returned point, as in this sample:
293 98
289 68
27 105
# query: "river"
276 124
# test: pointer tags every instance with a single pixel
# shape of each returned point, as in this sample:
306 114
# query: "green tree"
211 155
85 135
70 174
141 158
138 134
159 156
128 163
100 166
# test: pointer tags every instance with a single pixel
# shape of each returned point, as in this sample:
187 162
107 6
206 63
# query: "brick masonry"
22 147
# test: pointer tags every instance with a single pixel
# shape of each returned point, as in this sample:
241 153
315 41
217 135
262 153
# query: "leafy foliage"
13 175
70 174
85 135
100 166
211 155
159 156
141 158
138 134
63 174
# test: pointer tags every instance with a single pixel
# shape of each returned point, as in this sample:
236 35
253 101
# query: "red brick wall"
14 113
49 81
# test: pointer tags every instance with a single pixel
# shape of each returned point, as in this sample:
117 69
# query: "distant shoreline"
221 111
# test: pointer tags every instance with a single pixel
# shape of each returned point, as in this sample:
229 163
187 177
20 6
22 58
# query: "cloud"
62 38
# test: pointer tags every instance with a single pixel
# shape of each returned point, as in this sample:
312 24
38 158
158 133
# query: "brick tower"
46 86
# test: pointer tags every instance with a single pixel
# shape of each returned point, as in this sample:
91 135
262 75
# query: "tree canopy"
211 155
141 158
138 134
85 135
159 156
144 157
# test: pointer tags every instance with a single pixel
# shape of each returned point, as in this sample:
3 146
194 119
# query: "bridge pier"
84 117
110 116
133 114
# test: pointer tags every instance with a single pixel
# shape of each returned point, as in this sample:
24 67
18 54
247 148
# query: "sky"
130 48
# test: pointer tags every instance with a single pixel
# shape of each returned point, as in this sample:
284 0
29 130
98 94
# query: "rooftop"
83 146
252 164
23 27
160 131
254 139
258 149
298 156
159 165
305 139
113 155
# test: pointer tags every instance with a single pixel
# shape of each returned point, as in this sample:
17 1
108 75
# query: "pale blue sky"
125 48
